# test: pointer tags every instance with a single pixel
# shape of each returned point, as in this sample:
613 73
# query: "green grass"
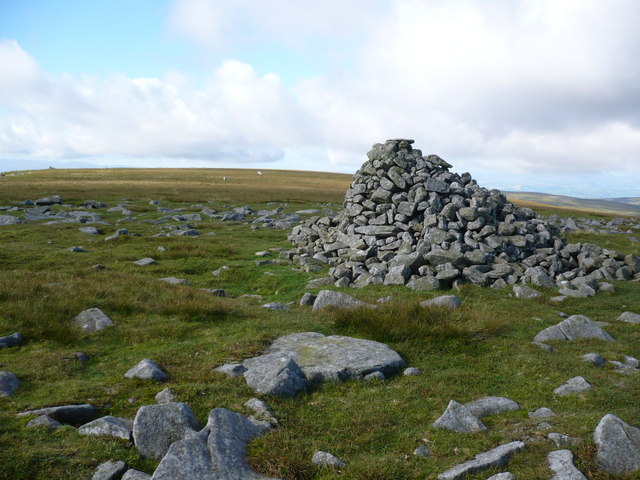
483 348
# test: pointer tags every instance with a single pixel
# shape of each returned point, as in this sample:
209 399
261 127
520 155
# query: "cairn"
408 220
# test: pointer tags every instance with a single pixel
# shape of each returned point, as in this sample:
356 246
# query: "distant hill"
602 206
629 200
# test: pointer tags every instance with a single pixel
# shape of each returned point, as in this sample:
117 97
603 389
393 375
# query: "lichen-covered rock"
327 459
629 317
458 418
110 426
573 385
443 301
561 463
496 457
330 298
92 320
487 406
275 374
618 445
111 470
573 328
147 369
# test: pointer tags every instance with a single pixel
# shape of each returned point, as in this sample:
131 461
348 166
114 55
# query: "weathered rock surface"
217 452
143 262
165 395
618 445
44 421
496 457
275 374
562 440
595 359
9 383
111 470
10 220
327 459
561 463
542 412
334 358
629 317
502 476
443 301
156 427
13 340
74 414
133 474
116 427
146 369
573 328
458 418
92 320
175 280
232 369
527 293
330 298
573 385
486 406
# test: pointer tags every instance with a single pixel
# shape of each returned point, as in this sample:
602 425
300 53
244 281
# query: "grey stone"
307 299
573 385
326 459
92 320
422 451
275 374
77 249
330 298
44 421
542 412
526 293
618 445
147 369
332 358
175 280
133 474
156 427
111 470
90 230
9 383
165 395
232 369
410 372
594 358
13 340
275 306
502 476
628 317
75 414
110 426
573 328
458 418
443 301
561 463
373 376
562 440
425 283
543 346
496 457
397 275
486 406
10 220
145 261
217 452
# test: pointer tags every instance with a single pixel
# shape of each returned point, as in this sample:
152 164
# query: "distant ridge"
627 206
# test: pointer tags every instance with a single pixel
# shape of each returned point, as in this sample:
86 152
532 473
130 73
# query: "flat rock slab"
573 328
116 427
561 463
10 220
13 340
486 406
458 418
156 427
9 383
329 298
443 301
496 457
573 385
218 451
336 358
629 317
147 369
92 320
618 445
66 413
145 261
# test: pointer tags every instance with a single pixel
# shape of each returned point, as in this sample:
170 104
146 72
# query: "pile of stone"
408 220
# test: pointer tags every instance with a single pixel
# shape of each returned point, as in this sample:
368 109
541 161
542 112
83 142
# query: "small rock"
410 372
543 346
90 230
77 249
525 293
378 375
9 383
13 340
232 369
165 396
573 328
218 292
422 451
145 261
92 320
543 412
443 301
498 456
562 440
81 357
573 385
561 463
544 426
629 317
275 306
274 374
44 421
99 267
491 406
175 280
111 470
220 270
330 298
594 358
147 369
307 299
458 418
111 426
327 459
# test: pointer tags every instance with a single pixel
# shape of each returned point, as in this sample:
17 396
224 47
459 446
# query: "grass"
483 348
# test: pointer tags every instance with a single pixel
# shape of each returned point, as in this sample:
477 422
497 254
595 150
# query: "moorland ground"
484 348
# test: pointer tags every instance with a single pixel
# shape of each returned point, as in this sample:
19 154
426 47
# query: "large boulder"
573 328
618 445
216 452
156 427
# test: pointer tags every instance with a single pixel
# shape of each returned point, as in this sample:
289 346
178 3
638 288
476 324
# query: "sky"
528 95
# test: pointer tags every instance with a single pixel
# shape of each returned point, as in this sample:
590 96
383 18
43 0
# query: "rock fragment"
496 457
147 369
458 418
92 320
561 463
573 385
573 328
618 445
327 459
